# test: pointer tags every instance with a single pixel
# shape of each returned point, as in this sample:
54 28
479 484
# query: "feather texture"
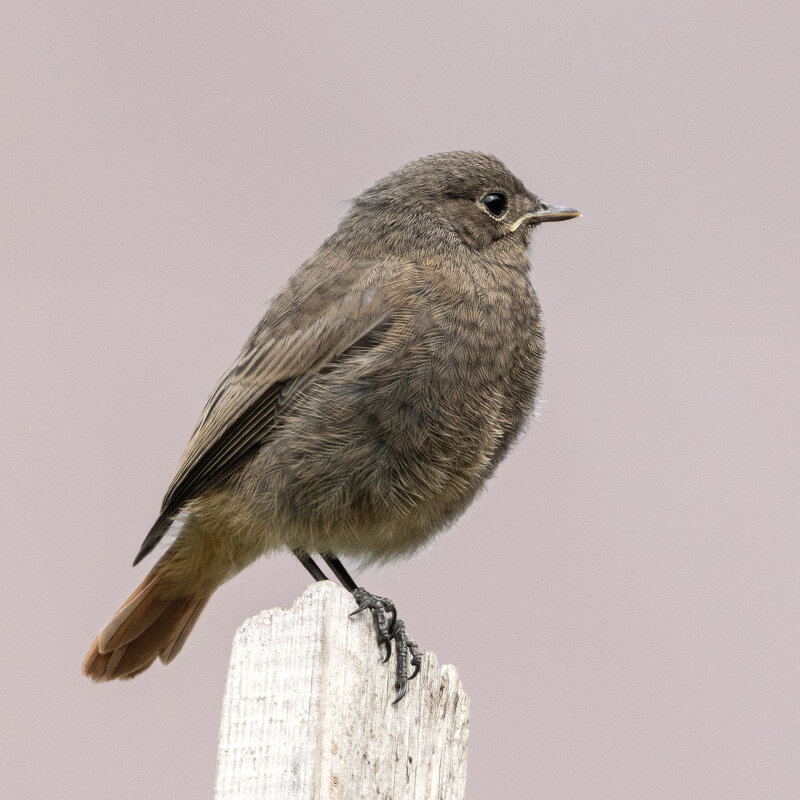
152 622
243 407
381 389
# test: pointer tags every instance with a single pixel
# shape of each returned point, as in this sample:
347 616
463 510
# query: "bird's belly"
374 462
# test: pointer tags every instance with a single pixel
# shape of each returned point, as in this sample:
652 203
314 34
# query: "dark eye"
496 204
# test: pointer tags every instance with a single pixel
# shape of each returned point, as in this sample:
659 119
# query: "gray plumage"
381 389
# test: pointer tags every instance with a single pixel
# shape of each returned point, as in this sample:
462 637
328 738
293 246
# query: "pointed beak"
547 213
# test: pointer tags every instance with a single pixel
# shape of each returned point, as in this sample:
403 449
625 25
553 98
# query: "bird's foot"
387 630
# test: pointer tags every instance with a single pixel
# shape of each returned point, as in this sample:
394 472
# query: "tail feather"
182 630
133 617
152 622
138 671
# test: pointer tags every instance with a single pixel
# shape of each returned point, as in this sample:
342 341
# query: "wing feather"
246 401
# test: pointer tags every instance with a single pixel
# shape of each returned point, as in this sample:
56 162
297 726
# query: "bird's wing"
244 405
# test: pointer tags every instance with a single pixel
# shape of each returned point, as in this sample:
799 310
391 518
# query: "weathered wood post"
308 712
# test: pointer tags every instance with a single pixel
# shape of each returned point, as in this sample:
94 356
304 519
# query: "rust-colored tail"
151 623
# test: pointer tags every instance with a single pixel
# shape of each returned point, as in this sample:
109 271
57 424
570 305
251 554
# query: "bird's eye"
496 204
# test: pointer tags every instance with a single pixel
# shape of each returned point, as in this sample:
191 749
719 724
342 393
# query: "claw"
388 644
388 627
401 694
416 658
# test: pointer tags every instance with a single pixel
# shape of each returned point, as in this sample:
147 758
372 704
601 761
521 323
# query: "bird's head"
450 199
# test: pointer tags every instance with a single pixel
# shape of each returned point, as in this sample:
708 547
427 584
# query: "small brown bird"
384 385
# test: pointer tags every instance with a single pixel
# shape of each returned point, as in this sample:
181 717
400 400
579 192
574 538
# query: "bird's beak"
546 213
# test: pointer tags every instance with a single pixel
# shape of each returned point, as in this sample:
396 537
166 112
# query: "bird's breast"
394 440
464 373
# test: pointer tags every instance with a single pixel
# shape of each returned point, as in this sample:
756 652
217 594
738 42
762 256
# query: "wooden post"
308 712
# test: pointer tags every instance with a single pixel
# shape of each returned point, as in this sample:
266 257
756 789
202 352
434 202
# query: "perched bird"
383 386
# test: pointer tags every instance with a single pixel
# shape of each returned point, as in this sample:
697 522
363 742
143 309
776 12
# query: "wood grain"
307 712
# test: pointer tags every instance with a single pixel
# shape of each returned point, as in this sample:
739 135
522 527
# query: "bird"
384 384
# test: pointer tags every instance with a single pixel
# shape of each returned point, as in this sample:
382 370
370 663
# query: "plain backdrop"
622 602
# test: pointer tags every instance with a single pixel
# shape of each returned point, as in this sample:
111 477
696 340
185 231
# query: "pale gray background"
622 602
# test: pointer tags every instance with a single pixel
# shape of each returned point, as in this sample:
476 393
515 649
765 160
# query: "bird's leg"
340 572
305 559
387 630
343 575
